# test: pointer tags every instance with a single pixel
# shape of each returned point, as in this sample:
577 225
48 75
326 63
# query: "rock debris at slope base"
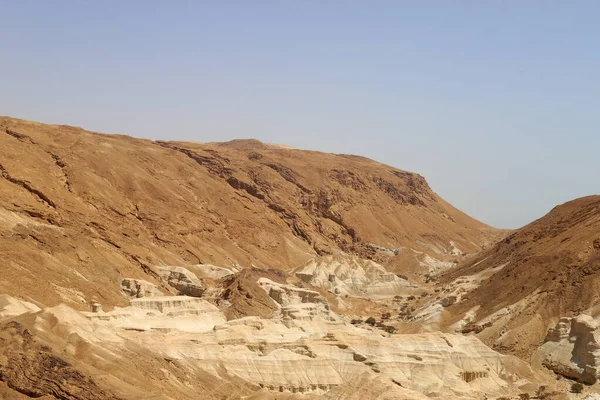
243 297
208 271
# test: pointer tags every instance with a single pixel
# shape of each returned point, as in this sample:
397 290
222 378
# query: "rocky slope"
81 210
544 271
136 269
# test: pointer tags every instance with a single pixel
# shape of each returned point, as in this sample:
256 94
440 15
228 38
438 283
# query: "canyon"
139 269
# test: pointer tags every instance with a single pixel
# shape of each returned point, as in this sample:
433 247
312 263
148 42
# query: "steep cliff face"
545 270
79 210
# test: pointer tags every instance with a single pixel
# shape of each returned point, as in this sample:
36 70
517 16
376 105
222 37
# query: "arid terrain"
139 269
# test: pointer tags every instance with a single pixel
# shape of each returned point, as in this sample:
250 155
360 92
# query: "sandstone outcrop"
9 306
344 274
537 274
138 288
262 357
286 295
183 280
296 303
572 348
164 313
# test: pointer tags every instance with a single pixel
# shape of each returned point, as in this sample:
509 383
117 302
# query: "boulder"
572 348
448 301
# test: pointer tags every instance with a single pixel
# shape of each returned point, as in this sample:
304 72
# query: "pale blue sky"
496 103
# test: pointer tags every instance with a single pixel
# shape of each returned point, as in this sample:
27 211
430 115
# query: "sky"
495 103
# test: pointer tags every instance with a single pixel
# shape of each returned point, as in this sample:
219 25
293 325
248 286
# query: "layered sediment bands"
34 371
571 347
352 276
83 210
237 270
27 186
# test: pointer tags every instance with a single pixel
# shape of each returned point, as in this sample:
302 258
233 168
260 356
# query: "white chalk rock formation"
286 295
10 306
324 358
172 304
297 303
164 313
318 357
137 288
572 348
350 275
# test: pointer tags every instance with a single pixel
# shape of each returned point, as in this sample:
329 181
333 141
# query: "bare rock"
10 306
138 288
185 281
560 331
448 301
33 370
346 274
286 295
574 354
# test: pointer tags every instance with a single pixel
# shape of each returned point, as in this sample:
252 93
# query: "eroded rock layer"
180 347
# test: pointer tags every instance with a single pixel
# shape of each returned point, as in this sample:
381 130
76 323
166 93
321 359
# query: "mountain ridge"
105 207
545 270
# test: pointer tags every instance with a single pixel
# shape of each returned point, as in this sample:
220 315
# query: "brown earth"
80 210
246 297
31 370
552 270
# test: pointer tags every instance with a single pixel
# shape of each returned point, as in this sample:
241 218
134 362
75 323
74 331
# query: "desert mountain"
546 270
81 210
138 269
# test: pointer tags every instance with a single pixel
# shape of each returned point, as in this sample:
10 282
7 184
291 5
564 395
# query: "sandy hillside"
80 210
545 270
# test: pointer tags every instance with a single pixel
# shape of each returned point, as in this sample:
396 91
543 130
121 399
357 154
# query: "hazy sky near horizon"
496 103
